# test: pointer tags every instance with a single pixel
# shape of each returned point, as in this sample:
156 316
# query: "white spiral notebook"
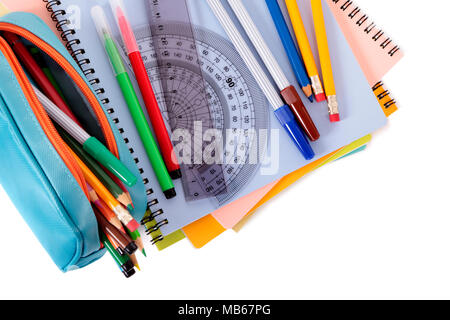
361 112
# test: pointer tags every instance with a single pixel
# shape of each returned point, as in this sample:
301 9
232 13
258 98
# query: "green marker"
133 103
105 179
90 144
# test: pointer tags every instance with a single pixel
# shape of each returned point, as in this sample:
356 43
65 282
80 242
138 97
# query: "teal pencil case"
36 169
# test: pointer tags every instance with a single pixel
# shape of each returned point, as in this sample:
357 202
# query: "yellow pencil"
325 60
305 48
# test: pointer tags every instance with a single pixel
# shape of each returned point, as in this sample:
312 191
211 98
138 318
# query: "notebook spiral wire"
73 45
370 28
383 94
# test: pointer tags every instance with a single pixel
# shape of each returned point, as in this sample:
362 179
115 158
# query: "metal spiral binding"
354 13
73 44
383 94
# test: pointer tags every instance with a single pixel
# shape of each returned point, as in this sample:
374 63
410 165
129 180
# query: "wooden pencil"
325 59
305 49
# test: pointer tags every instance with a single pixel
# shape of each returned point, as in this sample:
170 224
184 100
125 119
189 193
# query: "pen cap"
126 31
287 120
292 98
104 32
96 149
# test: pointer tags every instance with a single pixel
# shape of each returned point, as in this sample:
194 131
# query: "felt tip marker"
288 91
154 112
282 111
90 144
129 94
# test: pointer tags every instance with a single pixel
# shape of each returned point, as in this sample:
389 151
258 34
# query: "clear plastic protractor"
234 98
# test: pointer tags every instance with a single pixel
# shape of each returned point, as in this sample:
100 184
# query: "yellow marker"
305 48
325 60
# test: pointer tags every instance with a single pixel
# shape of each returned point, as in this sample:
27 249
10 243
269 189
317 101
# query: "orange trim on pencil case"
42 116
74 75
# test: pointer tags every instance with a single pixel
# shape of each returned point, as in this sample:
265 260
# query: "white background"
375 225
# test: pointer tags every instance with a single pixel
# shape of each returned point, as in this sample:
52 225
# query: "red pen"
156 118
37 74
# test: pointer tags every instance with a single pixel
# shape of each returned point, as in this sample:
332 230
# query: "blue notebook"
235 98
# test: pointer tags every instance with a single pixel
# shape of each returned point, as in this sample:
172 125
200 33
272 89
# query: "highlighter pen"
90 144
281 110
154 112
291 49
156 159
288 91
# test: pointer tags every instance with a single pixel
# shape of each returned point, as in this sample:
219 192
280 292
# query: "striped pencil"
288 91
90 144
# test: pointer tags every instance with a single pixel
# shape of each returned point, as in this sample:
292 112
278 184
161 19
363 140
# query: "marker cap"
287 120
96 149
120 14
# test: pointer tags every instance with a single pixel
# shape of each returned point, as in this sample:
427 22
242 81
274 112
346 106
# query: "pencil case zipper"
39 111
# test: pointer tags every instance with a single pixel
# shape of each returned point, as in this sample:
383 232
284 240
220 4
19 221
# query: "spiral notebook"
377 55
174 214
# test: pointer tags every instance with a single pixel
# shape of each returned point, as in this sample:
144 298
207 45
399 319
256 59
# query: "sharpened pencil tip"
130 208
311 99
144 253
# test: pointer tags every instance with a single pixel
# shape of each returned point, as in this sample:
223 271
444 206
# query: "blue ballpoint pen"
291 50
282 111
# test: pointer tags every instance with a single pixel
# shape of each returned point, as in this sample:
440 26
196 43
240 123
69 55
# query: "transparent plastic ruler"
198 76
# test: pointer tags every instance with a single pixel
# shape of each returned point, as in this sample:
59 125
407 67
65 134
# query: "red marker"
156 118
37 74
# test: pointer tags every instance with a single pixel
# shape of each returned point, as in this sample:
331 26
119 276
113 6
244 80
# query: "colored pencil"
121 213
154 112
37 55
103 208
124 189
90 144
37 74
282 111
136 236
325 60
135 261
305 49
129 94
122 239
104 178
290 48
288 91
123 261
